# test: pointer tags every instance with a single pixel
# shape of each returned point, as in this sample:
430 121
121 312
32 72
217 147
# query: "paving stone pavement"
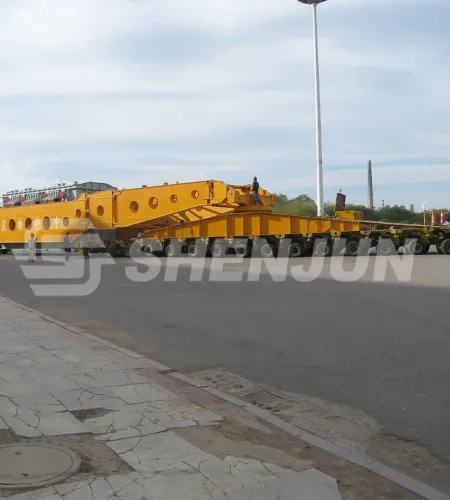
47 372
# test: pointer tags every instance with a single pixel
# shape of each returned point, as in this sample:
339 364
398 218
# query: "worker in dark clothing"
255 189
67 246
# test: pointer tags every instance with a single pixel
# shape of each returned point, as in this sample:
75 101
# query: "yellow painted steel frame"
350 214
123 210
48 222
253 224
137 207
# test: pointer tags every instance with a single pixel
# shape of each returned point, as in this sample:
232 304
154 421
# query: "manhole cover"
227 381
28 465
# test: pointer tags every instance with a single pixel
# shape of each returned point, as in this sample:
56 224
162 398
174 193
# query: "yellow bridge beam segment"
141 208
137 207
49 221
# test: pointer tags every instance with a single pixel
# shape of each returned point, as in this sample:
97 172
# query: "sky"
133 92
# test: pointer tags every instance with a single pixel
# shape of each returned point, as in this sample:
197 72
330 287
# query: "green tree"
301 205
304 205
282 199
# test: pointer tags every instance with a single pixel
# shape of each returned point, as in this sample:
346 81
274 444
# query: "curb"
425 491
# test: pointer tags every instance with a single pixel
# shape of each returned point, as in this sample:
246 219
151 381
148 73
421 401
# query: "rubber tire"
170 250
218 251
323 249
352 249
193 251
385 248
267 251
415 247
134 250
296 250
445 247
243 251
439 249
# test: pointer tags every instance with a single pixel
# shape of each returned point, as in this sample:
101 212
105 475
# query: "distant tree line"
304 205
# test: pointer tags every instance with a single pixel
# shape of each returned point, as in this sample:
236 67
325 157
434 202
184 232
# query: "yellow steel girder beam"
141 208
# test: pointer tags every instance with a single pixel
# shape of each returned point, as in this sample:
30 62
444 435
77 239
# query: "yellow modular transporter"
262 232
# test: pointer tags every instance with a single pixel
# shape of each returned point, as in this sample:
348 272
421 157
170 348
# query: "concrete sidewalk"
131 428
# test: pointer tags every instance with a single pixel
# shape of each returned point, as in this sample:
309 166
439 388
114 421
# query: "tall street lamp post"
320 202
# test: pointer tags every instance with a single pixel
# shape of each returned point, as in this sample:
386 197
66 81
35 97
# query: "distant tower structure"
370 186
411 207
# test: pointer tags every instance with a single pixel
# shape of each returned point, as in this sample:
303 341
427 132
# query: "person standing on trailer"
32 249
255 191
67 249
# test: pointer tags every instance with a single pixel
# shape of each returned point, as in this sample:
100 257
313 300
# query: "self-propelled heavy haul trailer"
268 234
205 216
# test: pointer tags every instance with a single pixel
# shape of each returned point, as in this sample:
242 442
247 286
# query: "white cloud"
79 77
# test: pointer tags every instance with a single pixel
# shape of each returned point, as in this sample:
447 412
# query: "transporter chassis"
249 234
382 241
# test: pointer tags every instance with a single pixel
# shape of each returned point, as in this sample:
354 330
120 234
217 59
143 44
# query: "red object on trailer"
433 218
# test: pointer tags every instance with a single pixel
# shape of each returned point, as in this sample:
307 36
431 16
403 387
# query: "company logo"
57 274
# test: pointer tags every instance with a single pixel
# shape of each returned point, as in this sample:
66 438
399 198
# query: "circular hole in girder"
195 194
100 210
78 213
134 206
66 222
46 223
173 198
153 202
28 224
12 225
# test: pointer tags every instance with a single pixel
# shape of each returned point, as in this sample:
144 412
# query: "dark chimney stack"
370 186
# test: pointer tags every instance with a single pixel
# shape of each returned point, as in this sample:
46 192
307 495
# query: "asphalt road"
383 347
